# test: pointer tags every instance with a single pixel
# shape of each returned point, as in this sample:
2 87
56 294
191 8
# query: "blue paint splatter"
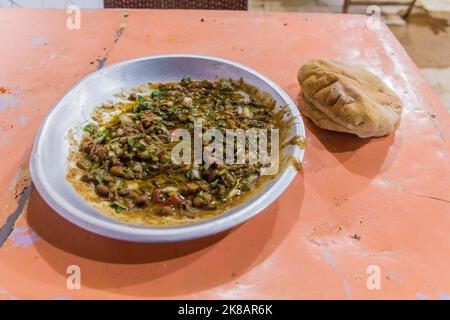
8 101
62 298
39 42
23 236
422 296
332 262
23 120
395 276
8 295
330 259
444 296
348 291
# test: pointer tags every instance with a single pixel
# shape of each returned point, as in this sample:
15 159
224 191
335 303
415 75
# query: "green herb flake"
157 94
147 105
141 100
163 197
186 81
87 127
189 175
152 172
118 207
152 149
140 146
226 86
214 183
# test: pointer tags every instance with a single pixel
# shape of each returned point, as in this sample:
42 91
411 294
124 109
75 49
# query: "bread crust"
346 98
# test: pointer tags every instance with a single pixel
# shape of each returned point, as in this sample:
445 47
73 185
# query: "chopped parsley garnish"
156 94
189 175
118 207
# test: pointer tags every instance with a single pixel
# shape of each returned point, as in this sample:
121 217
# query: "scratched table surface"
364 219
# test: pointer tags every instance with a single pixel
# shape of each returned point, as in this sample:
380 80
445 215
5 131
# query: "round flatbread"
346 98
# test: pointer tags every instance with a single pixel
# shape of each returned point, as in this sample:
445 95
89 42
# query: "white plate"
49 157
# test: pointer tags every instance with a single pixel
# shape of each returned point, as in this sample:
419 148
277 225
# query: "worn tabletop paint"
357 203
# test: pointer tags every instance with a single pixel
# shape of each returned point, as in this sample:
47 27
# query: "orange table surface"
358 204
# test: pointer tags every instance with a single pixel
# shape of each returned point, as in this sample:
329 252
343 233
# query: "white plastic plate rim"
98 223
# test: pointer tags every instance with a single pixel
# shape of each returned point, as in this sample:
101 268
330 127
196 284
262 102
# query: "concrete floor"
426 36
